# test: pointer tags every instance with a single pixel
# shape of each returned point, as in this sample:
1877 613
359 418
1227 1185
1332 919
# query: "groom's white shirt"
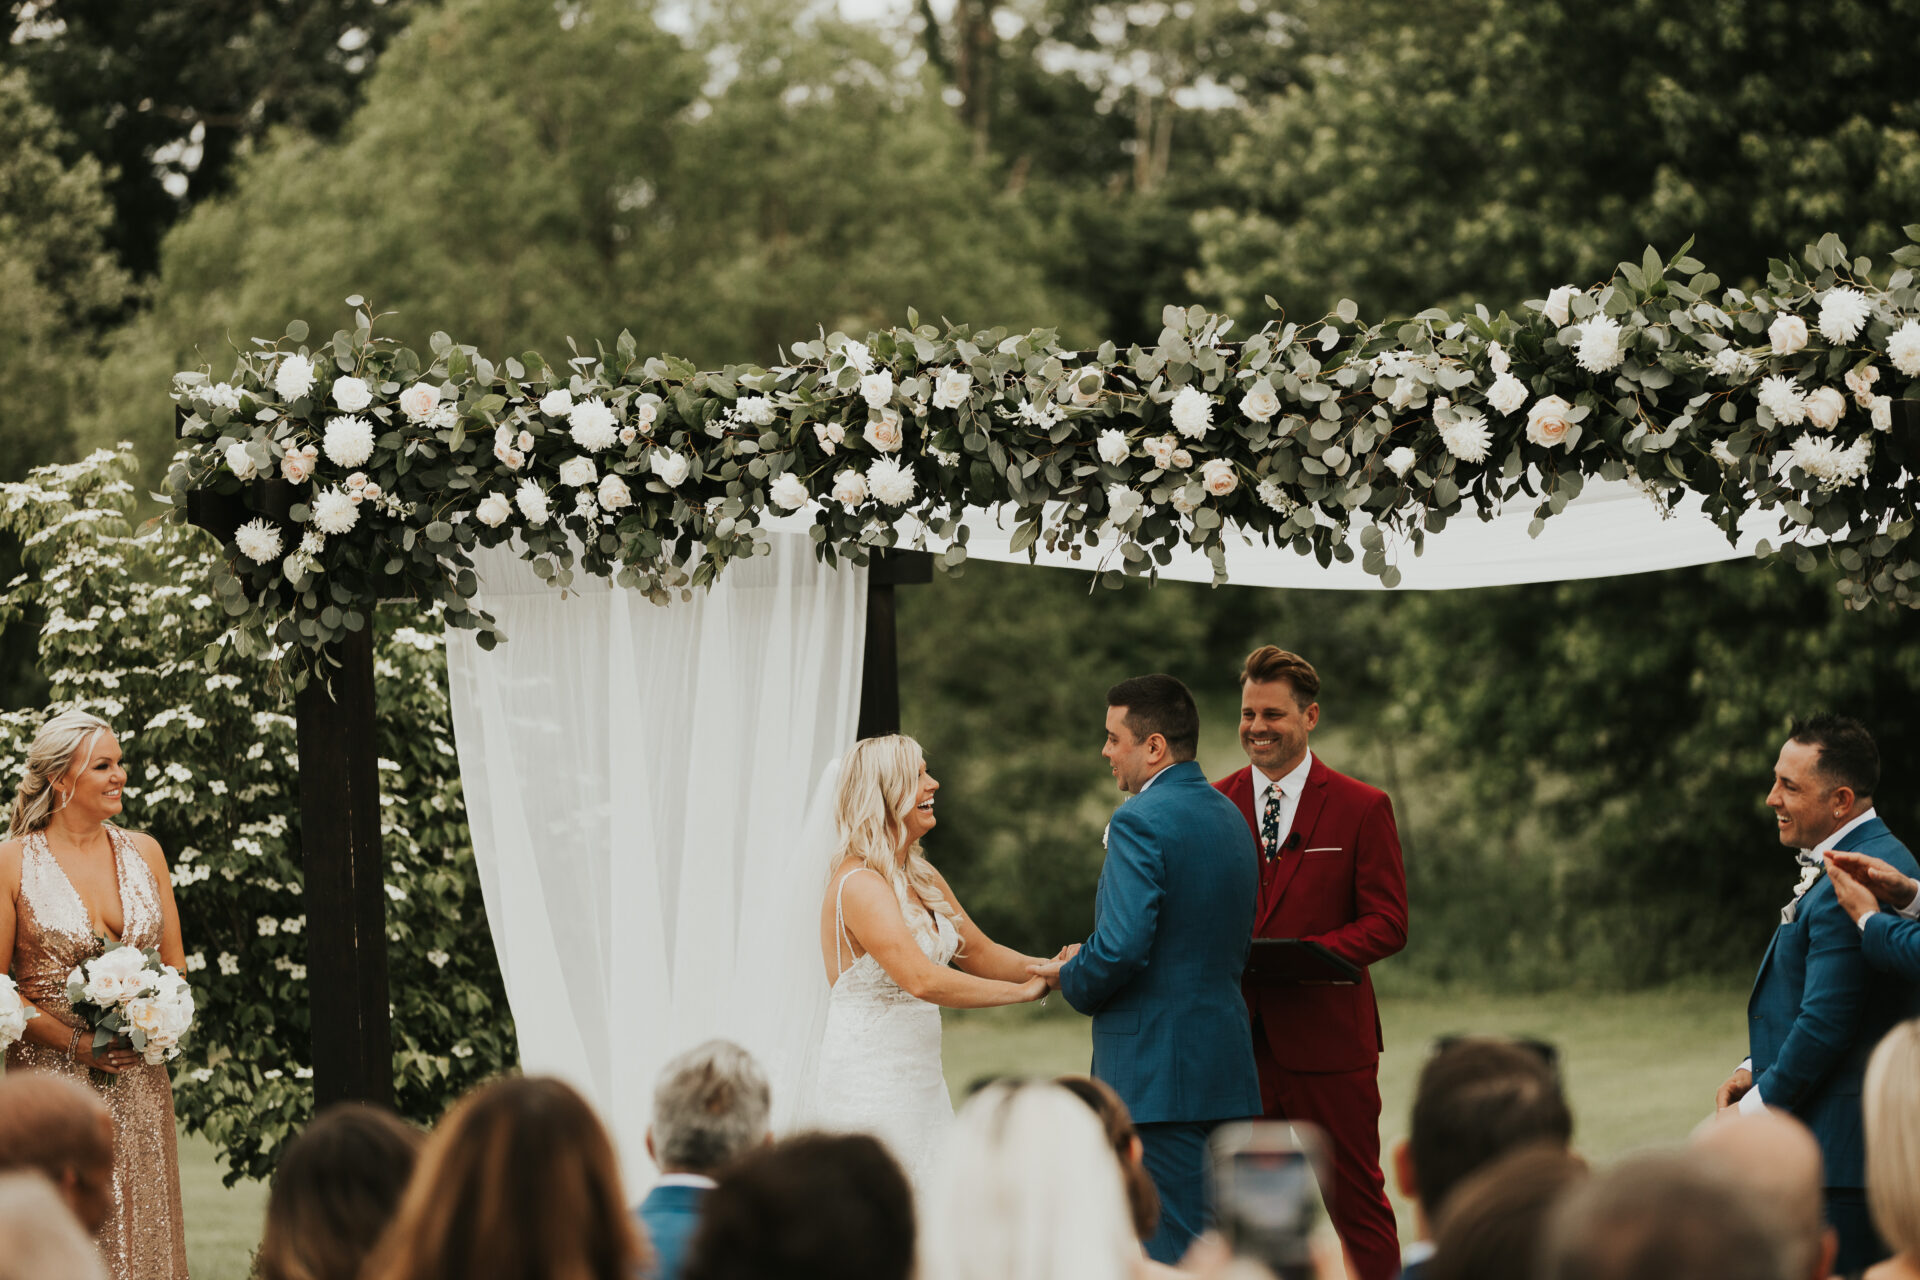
1291 784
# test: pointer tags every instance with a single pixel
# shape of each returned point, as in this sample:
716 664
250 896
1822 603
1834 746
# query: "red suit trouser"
1345 1105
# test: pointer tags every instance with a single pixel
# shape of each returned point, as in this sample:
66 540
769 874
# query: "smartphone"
1267 1202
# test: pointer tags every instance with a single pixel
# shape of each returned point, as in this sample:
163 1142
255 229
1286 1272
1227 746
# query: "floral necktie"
1270 824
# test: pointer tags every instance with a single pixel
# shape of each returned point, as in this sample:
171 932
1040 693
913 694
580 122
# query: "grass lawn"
1642 1070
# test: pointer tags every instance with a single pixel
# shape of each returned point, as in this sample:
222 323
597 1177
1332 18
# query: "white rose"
1161 449
1113 446
877 389
1192 412
614 493
349 440
1881 407
849 488
258 540
1860 381
672 468
579 472
1547 421
493 510
1600 350
592 425
788 491
419 401
1401 461
1825 407
1497 358
884 432
858 355
1787 333
1261 402
1843 314
646 410
1783 399
510 458
298 465
351 394
240 462
1183 502
1122 503
891 482
1507 393
1087 383
1723 455
1559 305
756 411
829 434
1219 477
951 389
294 377
117 975
557 403
335 512
533 503
1903 348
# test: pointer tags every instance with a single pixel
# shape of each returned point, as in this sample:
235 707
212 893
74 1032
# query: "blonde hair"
878 785
1891 1112
60 741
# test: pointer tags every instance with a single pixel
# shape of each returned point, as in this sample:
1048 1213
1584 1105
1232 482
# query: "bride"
897 946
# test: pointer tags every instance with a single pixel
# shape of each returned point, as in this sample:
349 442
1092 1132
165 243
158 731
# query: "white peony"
614 493
1843 314
885 433
858 355
757 411
592 425
419 401
1122 503
1559 305
1860 381
294 377
335 511
1192 413
579 472
1881 408
1600 350
1507 393
1825 407
829 434
533 502
1161 449
493 510
849 488
1732 363
1219 477
951 389
349 440
557 403
1467 437
352 394
1780 397
1087 383
788 491
258 540
240 462
14 1013
1903 348
1497 358
891 482
672 468
1548 421
1401 461
1113 446
877 389
114 977
1787 333
1261 402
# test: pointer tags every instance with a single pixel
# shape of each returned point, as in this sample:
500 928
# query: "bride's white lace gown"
879 1068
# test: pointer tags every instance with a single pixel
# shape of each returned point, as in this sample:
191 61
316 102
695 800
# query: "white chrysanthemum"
614 493
1261 401
1113 446
1843 314
1600 350
1559 305
1881 410
756 411
493 510
672 467
579 472
951 389
419 401
1780 397
1218 477
1401 461
533 502
294 377
1829 463
1467 437
1732 364
1787 334
1903 348
890 482
1825 407
349 440
1507 393
240 462
352 394
788 491
877 389
335 512
1192 412
849 488
258 540
1122 503
592 425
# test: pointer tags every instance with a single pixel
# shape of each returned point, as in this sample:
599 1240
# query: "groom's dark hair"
1162 705
1848 756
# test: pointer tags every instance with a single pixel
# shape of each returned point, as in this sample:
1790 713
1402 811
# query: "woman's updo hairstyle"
49 759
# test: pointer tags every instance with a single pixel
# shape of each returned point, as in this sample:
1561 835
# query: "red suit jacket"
1341 884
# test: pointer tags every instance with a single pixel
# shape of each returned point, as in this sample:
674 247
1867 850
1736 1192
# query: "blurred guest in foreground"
1776 1160
39 1239
1494 1220
518 1181
1143 1202
335 1191
1663 1217
61 1128
816 1207
710 1108
1892 1107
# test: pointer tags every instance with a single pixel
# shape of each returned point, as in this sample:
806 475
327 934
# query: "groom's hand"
1066 953
1734 1089
1050 971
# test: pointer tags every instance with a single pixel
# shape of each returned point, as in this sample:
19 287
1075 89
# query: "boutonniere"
1808 876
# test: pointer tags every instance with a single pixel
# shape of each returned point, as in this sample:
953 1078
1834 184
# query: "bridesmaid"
68 879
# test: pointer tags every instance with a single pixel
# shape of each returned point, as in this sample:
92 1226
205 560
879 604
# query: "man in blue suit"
1864 885
1173 919
1817 1007
710 1107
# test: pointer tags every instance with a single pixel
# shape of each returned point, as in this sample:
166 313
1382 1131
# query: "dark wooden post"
880 668
345 891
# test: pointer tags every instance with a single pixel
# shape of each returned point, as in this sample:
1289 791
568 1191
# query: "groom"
1161 973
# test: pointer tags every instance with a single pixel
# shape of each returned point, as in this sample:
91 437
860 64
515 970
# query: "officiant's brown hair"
1270 662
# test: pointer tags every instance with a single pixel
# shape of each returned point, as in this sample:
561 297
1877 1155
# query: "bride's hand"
1033 989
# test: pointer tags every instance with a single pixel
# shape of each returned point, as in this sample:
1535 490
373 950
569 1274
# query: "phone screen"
1267 1197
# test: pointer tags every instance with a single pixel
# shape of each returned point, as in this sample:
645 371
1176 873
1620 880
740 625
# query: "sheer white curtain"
636 781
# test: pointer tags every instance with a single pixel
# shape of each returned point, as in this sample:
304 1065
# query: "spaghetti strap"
840 917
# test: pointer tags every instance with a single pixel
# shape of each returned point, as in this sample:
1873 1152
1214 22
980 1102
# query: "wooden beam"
880 667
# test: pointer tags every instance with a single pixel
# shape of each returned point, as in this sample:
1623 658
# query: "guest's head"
73 767
1824 778
39 1238
336 1189
1151 723
1279 707
61 1128
710 1107
1776 1161
1143 1201
518 1180
814 1207
1494 1220
1477 1098
1890 1107
1027 1189
1662 1217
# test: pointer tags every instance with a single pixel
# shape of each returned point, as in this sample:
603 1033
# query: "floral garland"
377 472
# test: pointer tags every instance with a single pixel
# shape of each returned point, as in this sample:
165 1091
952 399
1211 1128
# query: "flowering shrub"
131 634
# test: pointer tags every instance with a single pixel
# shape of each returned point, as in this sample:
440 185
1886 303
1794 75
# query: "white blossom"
1732 364
1087 382
1783 399
579 472
1881 409
1507 393
258 540
1559 305
1182 459
1113 446
951 389
877 389
1903 348
592 425
1600 350
533 503
294 377
351 394
672 467
614 493
1192 413
1825 407
297 466
1844 313
788 491
240 462
857 355
420 401
1218 477
1401 461
557 403
1261 401
829 434
1550 422
1723 455
884 432
1183 502
757 411
334 512
1497 358
1122 503
585 505
1787 334
349 440
849 488
221 395
944 458
493 510
1830 464
891 482
1161 449
1271 492
1467 437
1860 381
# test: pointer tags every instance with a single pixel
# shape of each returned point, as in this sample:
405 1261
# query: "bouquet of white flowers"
13 1013
126 993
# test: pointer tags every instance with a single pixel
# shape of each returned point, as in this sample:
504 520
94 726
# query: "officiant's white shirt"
1291 784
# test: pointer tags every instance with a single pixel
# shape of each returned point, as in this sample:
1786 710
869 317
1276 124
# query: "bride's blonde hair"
878 785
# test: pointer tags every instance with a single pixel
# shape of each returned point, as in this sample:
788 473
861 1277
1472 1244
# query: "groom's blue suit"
1173 919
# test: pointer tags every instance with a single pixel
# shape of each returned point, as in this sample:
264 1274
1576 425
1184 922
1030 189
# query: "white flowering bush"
131 632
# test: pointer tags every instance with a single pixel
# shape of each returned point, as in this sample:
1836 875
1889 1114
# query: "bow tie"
1808 858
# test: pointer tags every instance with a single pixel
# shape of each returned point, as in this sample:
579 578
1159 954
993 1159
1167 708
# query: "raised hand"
1856 899
1888 885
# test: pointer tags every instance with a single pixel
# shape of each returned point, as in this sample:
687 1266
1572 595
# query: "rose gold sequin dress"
145 1237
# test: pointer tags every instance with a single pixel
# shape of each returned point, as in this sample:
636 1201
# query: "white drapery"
635 781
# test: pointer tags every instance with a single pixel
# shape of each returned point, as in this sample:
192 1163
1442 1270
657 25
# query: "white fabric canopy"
635 778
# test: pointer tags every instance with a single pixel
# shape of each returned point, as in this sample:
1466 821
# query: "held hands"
1734 1089
1050 971
1888 885
1856 898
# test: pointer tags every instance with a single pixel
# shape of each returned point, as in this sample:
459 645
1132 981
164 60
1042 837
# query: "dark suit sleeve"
1891 944
1832 1005
1379 924
1131 887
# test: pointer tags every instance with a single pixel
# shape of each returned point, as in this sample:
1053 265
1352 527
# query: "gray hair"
51 757
710 1106
38 1235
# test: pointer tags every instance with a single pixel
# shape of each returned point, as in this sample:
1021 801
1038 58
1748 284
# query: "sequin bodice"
55 931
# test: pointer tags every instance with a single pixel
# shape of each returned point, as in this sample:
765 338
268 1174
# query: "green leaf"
296 331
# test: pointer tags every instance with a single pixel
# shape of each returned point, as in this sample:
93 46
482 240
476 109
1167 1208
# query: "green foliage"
130 634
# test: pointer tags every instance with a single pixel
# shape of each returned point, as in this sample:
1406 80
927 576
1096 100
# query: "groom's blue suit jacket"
1818 1009
1161 972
